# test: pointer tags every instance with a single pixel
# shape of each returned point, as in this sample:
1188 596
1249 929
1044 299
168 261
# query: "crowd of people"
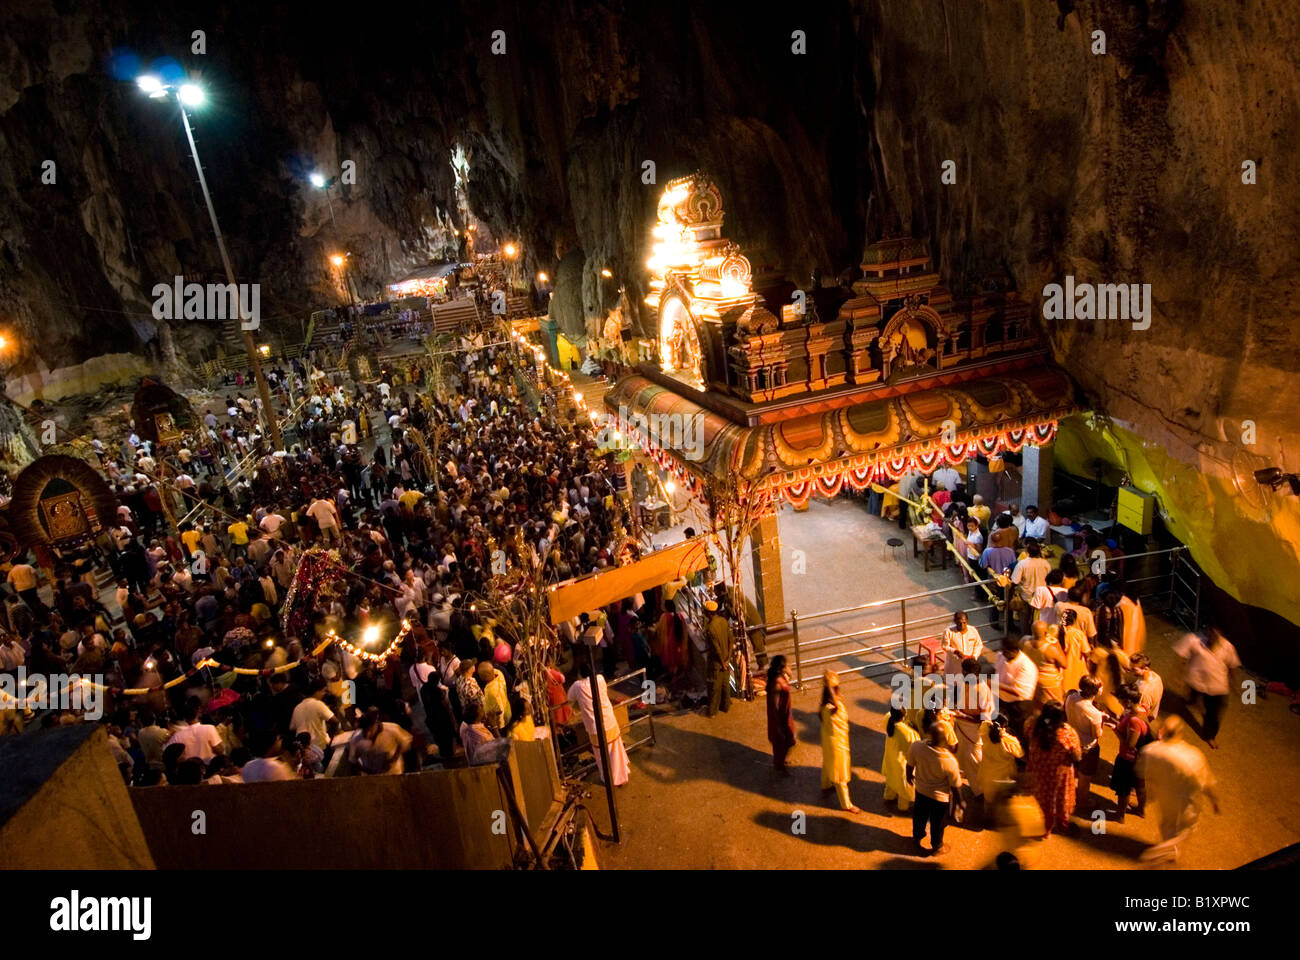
1015 736
426 499
219 662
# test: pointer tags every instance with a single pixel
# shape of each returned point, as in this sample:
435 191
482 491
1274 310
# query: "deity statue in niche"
681 355
905 341
166 427
64 517
613 335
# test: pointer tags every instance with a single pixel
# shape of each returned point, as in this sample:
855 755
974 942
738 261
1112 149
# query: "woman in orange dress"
1054 749
1076 648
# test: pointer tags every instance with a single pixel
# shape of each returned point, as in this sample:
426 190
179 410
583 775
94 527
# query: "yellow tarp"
569 357
589 594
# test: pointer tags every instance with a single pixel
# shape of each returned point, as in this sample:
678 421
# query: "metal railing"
237 472
569 756
1173 584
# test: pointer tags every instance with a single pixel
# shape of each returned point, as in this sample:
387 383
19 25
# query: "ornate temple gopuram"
800 392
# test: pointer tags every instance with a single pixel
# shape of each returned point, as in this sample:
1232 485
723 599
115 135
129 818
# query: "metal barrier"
568 756
237 472
1173 584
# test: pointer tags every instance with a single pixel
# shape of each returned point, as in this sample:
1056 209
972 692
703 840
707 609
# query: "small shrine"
803 392
160 414
718 335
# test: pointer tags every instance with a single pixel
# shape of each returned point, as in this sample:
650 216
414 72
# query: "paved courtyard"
706 797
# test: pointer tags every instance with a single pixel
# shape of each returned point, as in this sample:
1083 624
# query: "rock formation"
1122 166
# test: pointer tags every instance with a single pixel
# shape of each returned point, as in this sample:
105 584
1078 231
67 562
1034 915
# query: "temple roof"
884 253
882 437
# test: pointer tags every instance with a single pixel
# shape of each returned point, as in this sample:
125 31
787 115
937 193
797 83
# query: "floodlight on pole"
317 179
191 94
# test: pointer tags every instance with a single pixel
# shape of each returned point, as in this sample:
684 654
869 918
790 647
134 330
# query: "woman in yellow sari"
889 504
899 738
997 773
836 771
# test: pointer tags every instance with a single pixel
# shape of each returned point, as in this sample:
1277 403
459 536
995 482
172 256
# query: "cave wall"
1116 167
1126 167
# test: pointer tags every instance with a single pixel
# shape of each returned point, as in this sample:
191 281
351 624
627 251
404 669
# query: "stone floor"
705 795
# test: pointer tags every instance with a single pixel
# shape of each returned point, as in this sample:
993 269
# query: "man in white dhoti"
580 694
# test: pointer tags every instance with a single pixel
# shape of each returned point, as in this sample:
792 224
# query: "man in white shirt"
1150 686
313 716
326 516
1017 680
1210 661
201 740
1035 526
267 766
1084 619
1176 776
580 693
271 524
1028 575
1087 719
947 476
960 641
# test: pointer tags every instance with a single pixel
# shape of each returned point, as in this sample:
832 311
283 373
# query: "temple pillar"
981 481
765 551
1036 478
550 334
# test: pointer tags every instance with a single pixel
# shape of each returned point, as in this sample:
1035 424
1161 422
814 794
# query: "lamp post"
190 94
319 181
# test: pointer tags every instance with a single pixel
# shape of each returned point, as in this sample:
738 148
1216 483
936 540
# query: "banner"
590 593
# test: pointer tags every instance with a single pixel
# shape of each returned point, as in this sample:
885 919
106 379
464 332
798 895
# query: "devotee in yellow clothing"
997 772
899 740
496 705
1076 648
889 503
1022 824
835 742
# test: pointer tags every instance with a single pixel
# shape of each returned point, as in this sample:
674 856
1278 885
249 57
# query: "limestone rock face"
1126 167
1117 167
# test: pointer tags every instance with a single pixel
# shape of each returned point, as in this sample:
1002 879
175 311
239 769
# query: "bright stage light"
149 84
370 635
317 180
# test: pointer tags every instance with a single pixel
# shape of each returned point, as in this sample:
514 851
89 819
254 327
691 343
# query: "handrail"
880 603
907 624
960 586
239 468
